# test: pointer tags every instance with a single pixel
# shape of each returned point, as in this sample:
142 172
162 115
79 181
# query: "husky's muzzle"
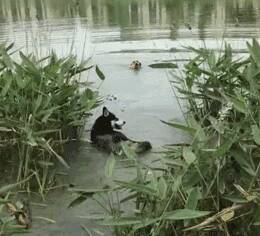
118 124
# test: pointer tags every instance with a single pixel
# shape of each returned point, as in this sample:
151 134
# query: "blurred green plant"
43 104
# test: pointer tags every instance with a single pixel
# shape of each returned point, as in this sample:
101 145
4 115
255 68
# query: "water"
113 33
114 25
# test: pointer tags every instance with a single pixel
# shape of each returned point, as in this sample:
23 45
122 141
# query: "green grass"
43 104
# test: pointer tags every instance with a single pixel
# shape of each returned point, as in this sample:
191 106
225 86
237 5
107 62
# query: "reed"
43 104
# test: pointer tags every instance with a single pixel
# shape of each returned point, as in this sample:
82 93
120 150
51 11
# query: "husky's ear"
105 112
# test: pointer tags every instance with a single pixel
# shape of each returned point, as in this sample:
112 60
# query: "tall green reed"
43 104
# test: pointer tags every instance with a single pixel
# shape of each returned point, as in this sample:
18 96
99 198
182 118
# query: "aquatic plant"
211 185
43 104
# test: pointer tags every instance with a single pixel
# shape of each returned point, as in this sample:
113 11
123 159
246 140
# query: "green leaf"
130 154
8 81
256 133
89 191
45 163
47 113
4 129
30 65
235 199
7 60
257 216
193 198
184 214
254 51
145 222
78 200
223 149
83 195
239 105
30 139
162 188
200 133
97 216
212 59
47 131
140 188
242 159
122 221
216 124
100 73
37 103
163 66
85 228
9 187
13 229
181 127
177 183
128 198
48 148
22 81
110 165
10 46
188 155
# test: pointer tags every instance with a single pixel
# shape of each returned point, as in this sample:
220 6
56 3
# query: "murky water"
113 33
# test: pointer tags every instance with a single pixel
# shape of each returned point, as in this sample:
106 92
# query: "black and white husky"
105 134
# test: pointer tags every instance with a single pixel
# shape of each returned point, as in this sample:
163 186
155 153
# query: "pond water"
113 33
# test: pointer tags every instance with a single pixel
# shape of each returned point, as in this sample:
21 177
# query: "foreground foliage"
210 186
13 219
42 105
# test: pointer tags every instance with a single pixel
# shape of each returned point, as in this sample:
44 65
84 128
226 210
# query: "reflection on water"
134 19
133 12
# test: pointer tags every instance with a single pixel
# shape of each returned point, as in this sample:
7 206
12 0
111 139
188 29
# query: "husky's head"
114 121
